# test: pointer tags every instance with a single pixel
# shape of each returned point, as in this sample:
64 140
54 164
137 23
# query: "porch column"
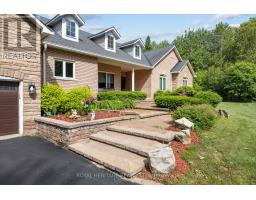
133 79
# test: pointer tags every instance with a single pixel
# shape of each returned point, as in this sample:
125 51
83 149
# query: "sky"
158 26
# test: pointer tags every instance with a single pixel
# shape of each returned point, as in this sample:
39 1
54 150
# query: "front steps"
131 143
161 137
122 149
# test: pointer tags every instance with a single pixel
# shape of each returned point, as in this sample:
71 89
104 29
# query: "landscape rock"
162 160
184 122
184 136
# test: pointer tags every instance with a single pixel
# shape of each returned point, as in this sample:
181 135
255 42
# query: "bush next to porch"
113 104
122 95
185 91
211 97
173 102
203 116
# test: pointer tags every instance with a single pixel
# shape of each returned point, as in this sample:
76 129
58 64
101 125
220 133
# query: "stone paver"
166 137
124 162
135 144
155 124
149 105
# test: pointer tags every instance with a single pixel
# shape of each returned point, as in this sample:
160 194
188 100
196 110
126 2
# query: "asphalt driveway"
31 160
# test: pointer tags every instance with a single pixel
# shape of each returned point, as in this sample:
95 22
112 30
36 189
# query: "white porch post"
133 79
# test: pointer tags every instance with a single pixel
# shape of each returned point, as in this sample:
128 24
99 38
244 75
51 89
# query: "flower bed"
182 166
99 115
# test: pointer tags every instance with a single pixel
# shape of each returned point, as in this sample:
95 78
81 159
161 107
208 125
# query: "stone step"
131 143
161 137
153 114
116 159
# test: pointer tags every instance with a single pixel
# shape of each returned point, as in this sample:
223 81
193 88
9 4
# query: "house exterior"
61 52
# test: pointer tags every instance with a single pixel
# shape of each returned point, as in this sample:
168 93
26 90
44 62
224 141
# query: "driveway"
31 160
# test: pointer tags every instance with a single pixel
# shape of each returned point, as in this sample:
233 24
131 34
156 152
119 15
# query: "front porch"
123 77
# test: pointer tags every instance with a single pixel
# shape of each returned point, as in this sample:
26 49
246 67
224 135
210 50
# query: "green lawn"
227 153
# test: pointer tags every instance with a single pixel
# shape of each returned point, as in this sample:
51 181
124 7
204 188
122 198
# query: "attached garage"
9 107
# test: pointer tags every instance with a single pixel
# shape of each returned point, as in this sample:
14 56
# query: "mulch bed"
99 115
182 166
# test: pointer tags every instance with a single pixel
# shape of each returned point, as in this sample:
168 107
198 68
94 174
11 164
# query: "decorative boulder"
162 160
183 136
184 122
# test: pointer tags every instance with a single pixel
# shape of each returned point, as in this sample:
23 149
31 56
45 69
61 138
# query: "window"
137 51
162 82
64 69
185 81
110 43
71 29
106 80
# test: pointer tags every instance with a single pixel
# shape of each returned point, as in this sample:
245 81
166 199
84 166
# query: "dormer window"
110 42
137 51
71 29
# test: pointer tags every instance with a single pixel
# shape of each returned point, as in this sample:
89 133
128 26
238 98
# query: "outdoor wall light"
32 88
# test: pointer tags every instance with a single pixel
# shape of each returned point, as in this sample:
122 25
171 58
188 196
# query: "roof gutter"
44 28
94 54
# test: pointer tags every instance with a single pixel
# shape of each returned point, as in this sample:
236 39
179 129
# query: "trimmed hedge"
163 93
52 99
185 91
113 104
212 98
203 116
173 102
122 95
76 97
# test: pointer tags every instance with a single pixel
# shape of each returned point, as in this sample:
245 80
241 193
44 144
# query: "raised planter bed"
65 133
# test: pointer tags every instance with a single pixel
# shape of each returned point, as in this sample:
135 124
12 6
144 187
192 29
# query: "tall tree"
148 45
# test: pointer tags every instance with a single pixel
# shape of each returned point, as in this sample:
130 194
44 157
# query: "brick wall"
23 65
86 69
178 78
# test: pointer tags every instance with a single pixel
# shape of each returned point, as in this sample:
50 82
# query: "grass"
227 152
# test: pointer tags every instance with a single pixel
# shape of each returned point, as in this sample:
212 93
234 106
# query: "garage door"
9 109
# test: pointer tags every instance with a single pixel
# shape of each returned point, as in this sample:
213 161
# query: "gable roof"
87 46
111 29
155 56
132 42
180 65
58 16
45 30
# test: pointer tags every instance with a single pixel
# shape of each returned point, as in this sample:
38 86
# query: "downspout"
44 63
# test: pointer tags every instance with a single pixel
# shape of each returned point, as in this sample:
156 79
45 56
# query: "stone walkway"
124 146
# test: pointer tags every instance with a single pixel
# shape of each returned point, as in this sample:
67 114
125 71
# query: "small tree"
148 46
240 82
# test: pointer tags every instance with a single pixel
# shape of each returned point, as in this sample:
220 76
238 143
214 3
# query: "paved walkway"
31 160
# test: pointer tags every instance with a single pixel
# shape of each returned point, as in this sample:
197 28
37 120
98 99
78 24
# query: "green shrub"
210 97
185 91
203 116
76 97
163 93
114 104
121 95
172 102
52 99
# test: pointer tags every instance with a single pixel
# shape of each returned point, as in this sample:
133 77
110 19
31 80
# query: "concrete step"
161 137
131 143
153 114
116 159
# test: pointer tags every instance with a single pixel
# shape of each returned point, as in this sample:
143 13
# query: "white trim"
184 78
94 54
106 43
134 52
111 29
64 70
133 43
107 80
163 77
44 28
64 30
133 79
21 108
55 18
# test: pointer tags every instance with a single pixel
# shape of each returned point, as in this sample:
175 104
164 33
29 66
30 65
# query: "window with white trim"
185 81
70 29
162 82
106 80
64 69
110 42
137 51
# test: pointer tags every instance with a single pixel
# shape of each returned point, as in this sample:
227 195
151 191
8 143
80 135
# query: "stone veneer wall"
22 64
65 133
